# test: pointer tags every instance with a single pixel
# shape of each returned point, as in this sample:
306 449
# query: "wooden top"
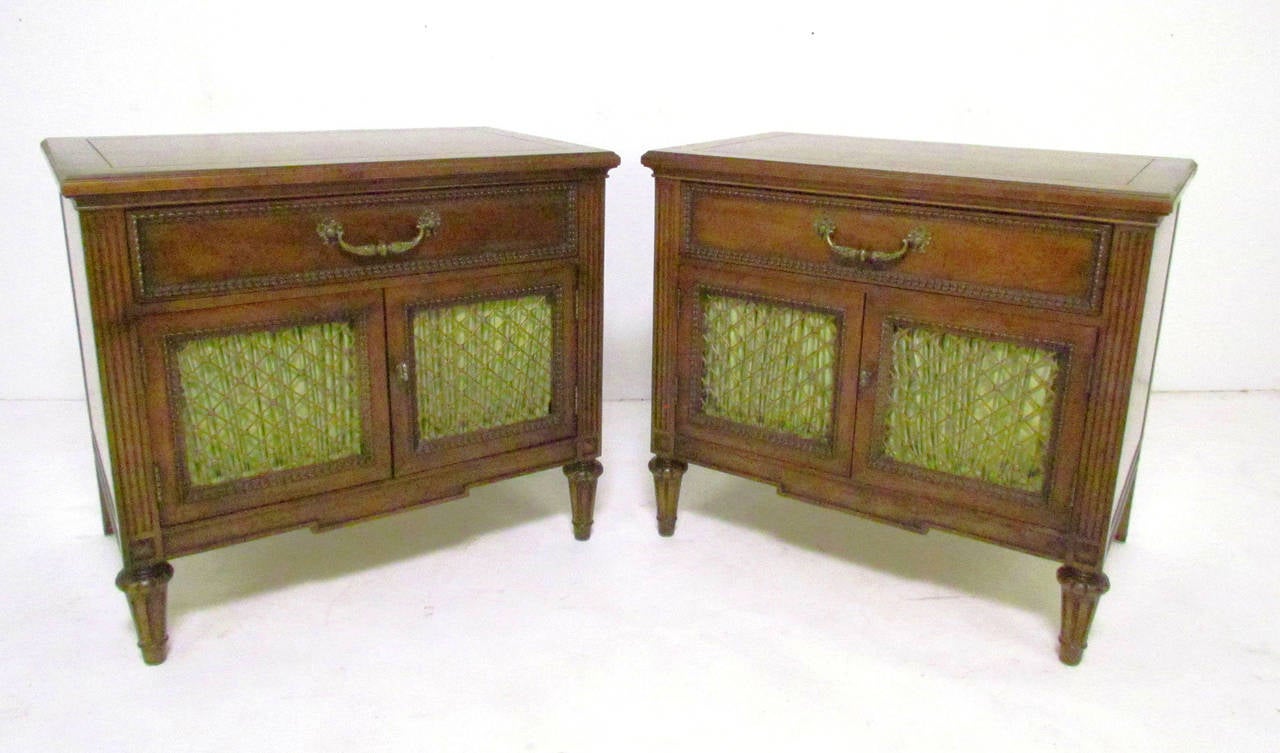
124 164
947 172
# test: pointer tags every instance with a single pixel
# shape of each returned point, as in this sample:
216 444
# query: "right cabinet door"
975 404
481 364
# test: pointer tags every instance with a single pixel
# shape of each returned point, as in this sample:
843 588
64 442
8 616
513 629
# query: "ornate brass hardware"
866 377
330 231
917 240
402 371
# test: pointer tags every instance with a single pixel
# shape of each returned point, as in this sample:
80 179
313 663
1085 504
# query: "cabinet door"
481 365
975 404
767 366
259 403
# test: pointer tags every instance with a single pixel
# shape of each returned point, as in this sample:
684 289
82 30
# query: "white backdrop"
1179 78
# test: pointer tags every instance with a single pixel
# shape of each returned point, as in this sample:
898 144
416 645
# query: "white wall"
1181 78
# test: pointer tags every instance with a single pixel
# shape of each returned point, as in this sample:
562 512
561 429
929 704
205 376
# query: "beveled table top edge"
955 172
140 164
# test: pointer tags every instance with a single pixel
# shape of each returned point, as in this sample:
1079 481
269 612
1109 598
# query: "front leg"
1080 593
582 477
146 589
666 483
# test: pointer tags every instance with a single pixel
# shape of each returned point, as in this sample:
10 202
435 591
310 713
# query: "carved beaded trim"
1090 304
151 292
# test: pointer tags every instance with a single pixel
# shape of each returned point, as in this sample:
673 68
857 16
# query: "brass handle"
917 240
330 231
402 371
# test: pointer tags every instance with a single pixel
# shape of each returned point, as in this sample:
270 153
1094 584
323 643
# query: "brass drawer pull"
330 231
917 240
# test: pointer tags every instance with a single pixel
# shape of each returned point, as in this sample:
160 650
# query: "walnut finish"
991 304
184 246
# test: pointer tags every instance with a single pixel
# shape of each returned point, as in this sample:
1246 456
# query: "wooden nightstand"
931 335
307 329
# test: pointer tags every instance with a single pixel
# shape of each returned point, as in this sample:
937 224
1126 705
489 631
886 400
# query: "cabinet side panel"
89 356
123 388
1123 305
589 302
1148 337
669 211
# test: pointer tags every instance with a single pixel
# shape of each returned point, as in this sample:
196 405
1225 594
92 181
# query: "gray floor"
764 624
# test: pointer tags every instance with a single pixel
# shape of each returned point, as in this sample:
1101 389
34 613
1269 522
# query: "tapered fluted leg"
582 494
146 589
666 483
1080 593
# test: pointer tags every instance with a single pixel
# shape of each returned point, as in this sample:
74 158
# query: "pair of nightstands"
310 329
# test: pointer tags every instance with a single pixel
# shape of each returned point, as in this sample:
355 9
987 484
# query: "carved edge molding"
1091 304
153 293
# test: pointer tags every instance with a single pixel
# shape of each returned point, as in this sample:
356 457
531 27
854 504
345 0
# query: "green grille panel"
269 401
768 365
483 365
972 407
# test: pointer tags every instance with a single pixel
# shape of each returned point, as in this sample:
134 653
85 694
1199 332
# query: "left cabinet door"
259 403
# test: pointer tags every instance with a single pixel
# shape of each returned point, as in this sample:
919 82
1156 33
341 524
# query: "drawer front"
211 249
1056 264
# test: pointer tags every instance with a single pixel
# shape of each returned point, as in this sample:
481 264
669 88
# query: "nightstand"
931 335
309 329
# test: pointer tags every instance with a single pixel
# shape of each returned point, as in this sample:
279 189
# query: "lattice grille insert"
483 365
768 365
971 407
269 401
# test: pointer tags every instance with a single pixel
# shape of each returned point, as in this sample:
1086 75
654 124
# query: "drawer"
1043 262
208 249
